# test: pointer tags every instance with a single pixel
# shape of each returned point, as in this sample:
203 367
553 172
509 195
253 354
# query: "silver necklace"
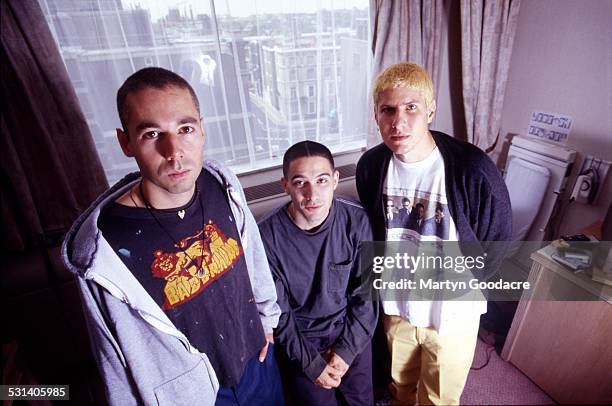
201 273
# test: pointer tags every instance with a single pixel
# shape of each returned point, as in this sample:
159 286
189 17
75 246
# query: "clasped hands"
333 372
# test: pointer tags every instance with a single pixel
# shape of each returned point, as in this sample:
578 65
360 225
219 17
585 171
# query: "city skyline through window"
265 79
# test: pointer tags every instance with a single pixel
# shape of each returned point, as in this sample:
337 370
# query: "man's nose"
308 191
171 148
399 119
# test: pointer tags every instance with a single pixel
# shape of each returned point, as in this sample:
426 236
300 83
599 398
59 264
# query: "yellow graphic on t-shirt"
209 250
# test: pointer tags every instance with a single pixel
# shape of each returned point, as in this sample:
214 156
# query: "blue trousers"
260 384
355 388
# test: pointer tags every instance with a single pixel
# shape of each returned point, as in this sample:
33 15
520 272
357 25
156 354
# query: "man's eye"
187 130
298 183
323 181
150 135
387 110
411 107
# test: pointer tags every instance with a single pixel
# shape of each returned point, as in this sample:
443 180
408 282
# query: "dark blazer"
478 199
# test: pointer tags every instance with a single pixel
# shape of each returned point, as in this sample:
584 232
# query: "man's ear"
431 112
283 183
336 178
124 141
202 128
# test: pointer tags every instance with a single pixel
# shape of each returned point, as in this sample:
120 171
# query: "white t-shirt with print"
423 217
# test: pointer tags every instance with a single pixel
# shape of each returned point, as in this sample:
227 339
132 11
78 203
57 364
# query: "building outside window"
231 52
311 107
310 90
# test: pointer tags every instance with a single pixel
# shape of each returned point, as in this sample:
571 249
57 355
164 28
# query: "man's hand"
336 362
264 350
329 378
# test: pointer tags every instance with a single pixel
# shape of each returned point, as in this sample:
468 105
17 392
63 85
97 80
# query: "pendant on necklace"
181 214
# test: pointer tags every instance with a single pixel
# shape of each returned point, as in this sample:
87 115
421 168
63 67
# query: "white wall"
561 63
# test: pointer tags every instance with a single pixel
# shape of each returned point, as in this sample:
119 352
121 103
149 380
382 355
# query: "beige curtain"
488 28
405 31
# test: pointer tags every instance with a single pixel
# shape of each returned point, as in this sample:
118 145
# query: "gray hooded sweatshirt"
142 357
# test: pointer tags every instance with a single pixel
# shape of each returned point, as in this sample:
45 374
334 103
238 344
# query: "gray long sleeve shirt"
318 283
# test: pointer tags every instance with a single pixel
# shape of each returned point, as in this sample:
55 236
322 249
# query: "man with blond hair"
431 343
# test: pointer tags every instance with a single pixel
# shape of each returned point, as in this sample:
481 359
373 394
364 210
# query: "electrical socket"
582 188
590 180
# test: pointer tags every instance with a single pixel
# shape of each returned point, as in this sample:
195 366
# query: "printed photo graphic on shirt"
415 216
209 249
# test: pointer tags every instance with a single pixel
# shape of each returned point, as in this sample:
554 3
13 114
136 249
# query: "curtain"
488 28
49 167
406 31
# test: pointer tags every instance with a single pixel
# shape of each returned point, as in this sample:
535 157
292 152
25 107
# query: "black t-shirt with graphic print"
216 312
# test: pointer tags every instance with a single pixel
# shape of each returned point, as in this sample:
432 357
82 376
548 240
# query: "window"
310 90
311 107
231 54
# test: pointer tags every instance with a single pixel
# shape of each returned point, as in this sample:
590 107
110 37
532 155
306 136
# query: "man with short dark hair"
417 218
390 214
437 225
404 213
313 246
176 291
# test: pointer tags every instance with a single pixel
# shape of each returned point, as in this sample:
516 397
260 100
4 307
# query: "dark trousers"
355 387
260 384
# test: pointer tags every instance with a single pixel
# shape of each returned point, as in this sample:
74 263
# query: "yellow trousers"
439 364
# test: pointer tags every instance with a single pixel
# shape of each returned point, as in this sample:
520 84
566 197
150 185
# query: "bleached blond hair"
404 74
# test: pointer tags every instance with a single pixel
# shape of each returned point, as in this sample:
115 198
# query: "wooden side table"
565 347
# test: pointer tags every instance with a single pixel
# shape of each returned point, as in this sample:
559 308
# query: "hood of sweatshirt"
90 257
